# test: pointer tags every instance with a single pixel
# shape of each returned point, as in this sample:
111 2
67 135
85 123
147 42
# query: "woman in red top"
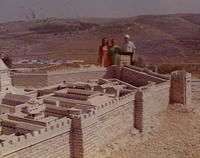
104 55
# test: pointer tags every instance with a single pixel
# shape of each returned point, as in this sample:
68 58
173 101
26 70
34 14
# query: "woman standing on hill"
114 51
104 55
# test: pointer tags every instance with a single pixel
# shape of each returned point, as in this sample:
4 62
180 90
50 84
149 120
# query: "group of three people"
109 53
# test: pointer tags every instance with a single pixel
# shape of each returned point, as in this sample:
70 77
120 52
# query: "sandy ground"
177 137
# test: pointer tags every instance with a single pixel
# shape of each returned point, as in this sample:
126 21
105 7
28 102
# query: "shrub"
168 68
139 62
50 28
151 67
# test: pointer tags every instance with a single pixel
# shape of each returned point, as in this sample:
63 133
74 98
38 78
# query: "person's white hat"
126 36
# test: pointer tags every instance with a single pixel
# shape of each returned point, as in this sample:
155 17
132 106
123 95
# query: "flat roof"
19 99
28 126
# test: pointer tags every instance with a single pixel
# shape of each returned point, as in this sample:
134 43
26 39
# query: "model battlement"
115 103
19 142
88 118
166 77
77 70
163 85
146 91
182 74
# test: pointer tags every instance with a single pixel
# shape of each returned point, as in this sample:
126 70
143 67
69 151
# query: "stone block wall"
115 119
188 88
150 100
84 129
82 75
50 142
55 78
181 87
162 96
50 78
5 82
29 80
138 78
102 126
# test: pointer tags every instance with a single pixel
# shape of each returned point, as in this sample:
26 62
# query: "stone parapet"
166 77
17 143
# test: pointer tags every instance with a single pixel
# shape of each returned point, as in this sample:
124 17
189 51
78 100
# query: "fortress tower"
181 88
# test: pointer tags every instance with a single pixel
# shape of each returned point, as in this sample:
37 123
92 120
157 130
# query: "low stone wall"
162 96
139 78
38 80
82 75
29 80
50 142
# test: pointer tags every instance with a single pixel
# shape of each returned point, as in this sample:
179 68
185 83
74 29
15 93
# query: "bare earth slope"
159 38
177 137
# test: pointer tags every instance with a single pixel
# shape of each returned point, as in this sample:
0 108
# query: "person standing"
114 51
104 55
128 47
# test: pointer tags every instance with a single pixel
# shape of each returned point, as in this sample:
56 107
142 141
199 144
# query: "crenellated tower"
180 88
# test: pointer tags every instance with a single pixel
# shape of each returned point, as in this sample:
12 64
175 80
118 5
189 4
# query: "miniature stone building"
93 107
5 80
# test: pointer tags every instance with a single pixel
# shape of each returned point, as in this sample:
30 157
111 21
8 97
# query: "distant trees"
61 28
168 68
30 15
50 28
162 68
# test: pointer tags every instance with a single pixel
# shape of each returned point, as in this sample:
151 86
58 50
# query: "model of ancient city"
74 113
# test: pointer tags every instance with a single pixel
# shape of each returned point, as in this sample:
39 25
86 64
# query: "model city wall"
81 135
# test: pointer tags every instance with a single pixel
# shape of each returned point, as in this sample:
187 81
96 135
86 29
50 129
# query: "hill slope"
159 38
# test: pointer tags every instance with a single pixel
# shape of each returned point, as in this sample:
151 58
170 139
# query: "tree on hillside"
30 14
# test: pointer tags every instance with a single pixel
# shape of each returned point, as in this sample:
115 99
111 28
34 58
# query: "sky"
14 10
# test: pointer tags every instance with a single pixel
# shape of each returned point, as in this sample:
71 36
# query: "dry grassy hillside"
161 38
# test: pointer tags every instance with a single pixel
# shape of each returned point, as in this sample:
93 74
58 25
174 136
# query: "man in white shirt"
128 47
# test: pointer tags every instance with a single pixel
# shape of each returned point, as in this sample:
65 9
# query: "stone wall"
84 134
50 142
5 81
181 88
29 80
150 100
78 75
139 78
37 80
128 74
162 96
116 121
102 126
